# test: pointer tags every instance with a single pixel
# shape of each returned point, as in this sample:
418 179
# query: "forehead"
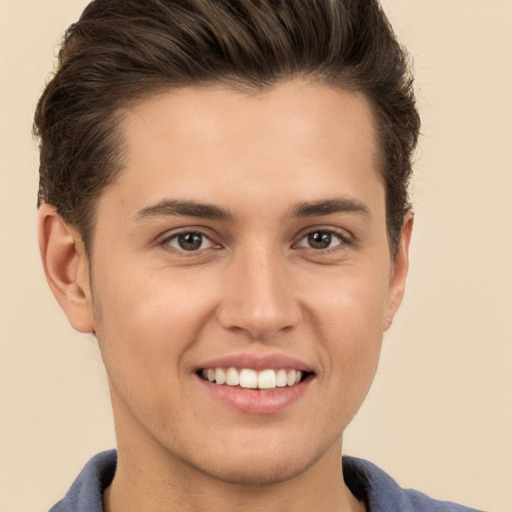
300 111
295 139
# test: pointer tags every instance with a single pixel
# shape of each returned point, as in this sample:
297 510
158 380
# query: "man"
223 204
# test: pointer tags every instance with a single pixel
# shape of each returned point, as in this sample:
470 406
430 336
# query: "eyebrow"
330 206
184 209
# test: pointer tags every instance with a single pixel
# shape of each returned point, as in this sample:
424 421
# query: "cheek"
149 301
350 320
145 325
351 303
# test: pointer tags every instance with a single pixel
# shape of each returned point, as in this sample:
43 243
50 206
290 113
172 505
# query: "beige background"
439 417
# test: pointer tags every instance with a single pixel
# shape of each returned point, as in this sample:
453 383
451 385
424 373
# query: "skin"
255 286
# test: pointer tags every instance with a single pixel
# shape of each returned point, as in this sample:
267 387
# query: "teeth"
220 376
232 377
267 379
251 379
248 379
281 377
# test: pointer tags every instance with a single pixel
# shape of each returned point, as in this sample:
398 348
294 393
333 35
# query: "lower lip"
255 401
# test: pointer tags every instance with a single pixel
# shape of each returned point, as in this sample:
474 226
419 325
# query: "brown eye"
189 241
321 239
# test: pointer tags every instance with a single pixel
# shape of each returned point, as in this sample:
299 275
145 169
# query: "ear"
66 267
399 270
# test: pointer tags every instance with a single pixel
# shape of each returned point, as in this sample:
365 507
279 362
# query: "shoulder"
383 494
86 493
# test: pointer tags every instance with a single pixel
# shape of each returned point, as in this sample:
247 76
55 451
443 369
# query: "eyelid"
343 235
163 241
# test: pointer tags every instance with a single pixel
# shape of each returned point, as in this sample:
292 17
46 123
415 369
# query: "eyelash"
342 238
165 243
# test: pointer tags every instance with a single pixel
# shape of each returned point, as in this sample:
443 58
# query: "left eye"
321 240
189 241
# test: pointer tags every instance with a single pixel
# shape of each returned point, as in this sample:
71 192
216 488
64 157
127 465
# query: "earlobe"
66 268
400 270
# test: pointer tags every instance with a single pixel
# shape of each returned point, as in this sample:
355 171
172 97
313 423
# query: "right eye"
188 241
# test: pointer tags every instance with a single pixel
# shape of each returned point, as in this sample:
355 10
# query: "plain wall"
439 416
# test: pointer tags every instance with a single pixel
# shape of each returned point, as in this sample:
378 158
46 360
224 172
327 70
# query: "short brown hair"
122 50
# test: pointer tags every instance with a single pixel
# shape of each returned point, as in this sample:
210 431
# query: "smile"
248 378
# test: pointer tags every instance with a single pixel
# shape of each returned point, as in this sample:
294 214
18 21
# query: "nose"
259 297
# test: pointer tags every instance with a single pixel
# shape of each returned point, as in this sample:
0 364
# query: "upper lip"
257 362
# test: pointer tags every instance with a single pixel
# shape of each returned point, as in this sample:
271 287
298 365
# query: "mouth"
256 383
251 379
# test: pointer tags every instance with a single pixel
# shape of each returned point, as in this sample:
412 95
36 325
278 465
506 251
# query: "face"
245 240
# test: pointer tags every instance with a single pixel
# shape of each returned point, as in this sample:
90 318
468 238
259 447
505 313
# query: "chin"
256 473
260 463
